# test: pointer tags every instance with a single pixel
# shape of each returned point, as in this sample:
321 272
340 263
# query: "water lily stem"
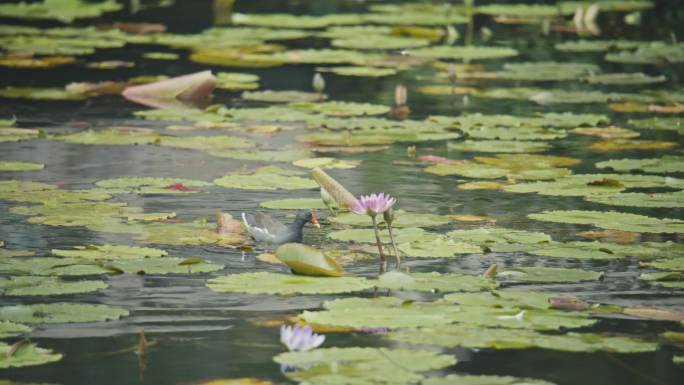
394 245
377 240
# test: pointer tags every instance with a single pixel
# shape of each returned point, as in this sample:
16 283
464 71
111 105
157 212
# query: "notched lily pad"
612 220
110 252
266 178
434 282
30 286
286 284
152 185
548 274
60 313
26 354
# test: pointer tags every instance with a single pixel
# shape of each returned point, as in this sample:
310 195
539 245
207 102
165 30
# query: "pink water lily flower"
298 338
373 204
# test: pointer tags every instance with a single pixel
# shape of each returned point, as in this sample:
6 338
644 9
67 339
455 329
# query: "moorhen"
265 229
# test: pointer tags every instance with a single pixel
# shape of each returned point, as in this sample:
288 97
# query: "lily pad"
46 266
216 142
262 155
37 93
464 53
286 284
282 96
671 279
372 137
160 266
151 185
548 274
116 136
401 235
596 45
484 171
482 380
501 239
605 250
9 134
653 53
536 11
110 252
546 71
29 286
500 146
593 184
363 71
362 365
665 164
26 354
60 313
552 119
326 163
266 178
658 123
294 204
20 166
306 260
634 144
669 199
11 329
434 282
65 11
236 81
341 108
379 42
437 248
401 219
636 78
611 132
612 220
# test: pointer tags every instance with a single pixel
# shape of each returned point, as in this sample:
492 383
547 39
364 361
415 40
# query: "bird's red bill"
314 220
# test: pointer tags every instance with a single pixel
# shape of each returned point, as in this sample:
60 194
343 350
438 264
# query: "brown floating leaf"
137 28
568 303
615 236
674 108
341 195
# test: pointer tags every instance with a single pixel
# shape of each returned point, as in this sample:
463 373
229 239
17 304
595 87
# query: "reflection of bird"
265 229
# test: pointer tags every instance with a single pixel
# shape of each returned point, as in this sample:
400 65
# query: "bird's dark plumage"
265 229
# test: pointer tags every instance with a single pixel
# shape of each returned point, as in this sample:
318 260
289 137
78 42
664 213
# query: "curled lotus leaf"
286 284
500 146
342 197
33 286
612 220
464 53
401 219
20 166
26 354
364 365
326 163
548 274
434 282
112 252
665 164
294 204
266 178
60 313
11 329
306 260
341 108
282 96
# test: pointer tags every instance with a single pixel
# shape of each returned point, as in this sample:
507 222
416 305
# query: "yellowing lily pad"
37 93
216 142
60 313
286 284
610 132
379 42
111 252
500 146
362 71
612 220
634 144
9 134
20 166
669 199
116 136
65 11
266 178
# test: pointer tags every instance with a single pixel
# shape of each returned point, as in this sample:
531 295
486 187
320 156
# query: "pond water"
524 190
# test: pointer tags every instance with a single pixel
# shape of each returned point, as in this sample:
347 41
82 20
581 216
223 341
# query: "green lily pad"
495 338
504 299
20 166
612 220
636 78
37 93
548 274
679 360
266 178
161 55
517 133
548 96
282 96
546 71
401 219
653 53
236 81
484 171
363 71
464 53
111 252
609 132
609 5
46 266
482 380
379 42
535 11
306 260
670 199
283 20
560 120
437 248
362 365
371 137
65 11
60 313
286 284
658 123
5 253
27 354
216 142
294 204
121 136
671 279
27 286
9 134
401 235
151 185
190 233
352 31
604 250
160 266
500 146
263 155
341 108
667 264
326 163
596 45
55 196
434 282
593 184
11 329
501 239
416 18
665 164
73 214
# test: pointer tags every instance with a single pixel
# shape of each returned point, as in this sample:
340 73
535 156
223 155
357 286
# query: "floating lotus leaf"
271 114
371 137
658 123
653 53
50 313
341 108
591 184
116 136
500 146
160 266
282 96
611 132
362 365
266 178
359 71
27 286
520 11
608 5
161 55
236 81
283 20
326 163
481 185
635 78
561 96
20 166
530 319
367 124
216 142
9 134
409 234
73 214
546 71
596 45
434 282
612 220
11 329
306 260
50 266
527 161
294 204
668 264
604 250
4 253
672 279
181 114
353 31
503 299
417 18
665 164
679 360
286 284
482 380
436 248
378 42
56 196
463 53
150 217
65 11
112 252
36 93
262 155
561 120
27 354
483 171
548 274
190 233
151 185
517 133
401 219
670 199
634 144
494 338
